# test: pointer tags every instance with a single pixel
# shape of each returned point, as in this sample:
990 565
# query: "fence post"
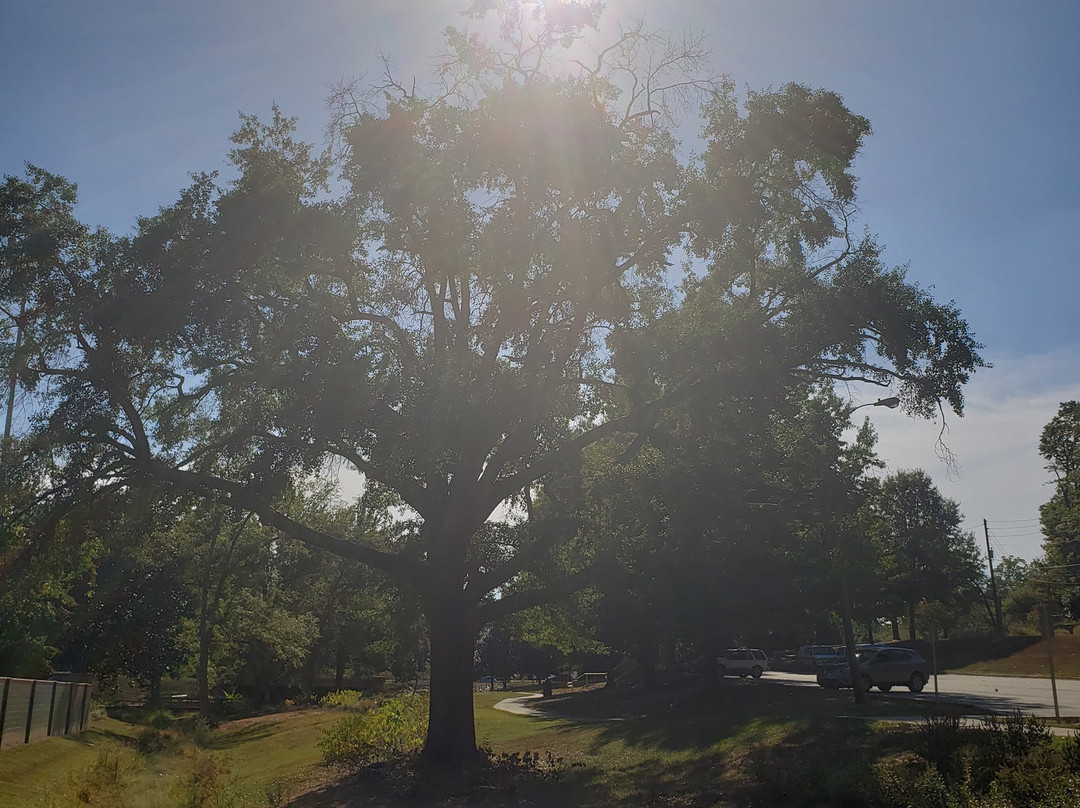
83 708
30 710
3 709
52 708
71 699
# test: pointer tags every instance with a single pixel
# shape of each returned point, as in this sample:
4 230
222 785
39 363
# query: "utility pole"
998 629
1048 634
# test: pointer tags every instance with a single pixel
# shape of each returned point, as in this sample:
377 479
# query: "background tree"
1018 588
492 293
1059 444
925 554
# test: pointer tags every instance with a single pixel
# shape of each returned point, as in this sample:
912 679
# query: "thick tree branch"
240 496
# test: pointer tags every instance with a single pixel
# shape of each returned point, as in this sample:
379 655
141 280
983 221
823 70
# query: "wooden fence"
32 709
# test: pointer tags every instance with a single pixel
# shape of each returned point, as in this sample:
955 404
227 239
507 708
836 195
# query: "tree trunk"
870 631
647 658
911 622
339 663
707 661
451 736
895 623
202 668
612 674
153 696
849 642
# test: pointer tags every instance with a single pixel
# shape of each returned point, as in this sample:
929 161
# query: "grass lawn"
746 743
1034 660
593 750
252 761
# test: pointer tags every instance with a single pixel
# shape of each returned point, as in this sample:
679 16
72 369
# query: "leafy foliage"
389 729
496 287
1059 445
926 555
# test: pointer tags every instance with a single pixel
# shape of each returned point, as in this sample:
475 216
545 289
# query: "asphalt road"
1000 694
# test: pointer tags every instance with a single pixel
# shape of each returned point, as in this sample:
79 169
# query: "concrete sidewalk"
519 705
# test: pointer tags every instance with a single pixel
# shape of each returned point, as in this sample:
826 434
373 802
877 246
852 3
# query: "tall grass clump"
206 785
390 728
105 781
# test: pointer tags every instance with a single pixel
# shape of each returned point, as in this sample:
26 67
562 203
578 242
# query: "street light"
892 402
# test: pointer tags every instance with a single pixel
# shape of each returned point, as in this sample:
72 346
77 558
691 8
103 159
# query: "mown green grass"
247 759
28 774
702 748
744 743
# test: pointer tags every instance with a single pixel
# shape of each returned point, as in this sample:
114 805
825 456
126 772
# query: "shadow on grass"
93 737
241 735
401 786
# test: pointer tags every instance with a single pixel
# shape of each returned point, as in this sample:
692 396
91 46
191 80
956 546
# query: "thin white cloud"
1001 476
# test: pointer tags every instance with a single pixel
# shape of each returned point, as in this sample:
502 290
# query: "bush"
909 781
105 781
1007 743
940 742
806 774
349 699
197 730
389 729
1070 753
159 719
149 740
207 786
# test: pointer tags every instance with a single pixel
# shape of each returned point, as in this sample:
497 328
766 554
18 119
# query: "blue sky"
970 177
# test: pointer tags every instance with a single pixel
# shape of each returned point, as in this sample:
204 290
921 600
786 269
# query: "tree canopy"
1059 444
513 267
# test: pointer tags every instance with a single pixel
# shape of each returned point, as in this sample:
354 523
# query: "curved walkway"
519 705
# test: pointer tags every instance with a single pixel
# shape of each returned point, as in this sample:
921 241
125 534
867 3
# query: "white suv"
743 662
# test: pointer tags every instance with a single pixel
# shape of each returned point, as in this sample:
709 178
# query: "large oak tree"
514 266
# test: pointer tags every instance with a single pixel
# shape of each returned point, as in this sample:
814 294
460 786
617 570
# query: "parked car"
812 657
880 667
743 662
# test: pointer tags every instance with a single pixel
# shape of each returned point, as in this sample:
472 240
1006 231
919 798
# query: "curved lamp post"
892 402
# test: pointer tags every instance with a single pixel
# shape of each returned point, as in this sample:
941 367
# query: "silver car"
881 668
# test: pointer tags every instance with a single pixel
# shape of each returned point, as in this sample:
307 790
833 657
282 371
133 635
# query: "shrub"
1037 777
1007 743
233 703
159 719
390 728
105 781
343 698
806 774
940 742
1070 753
149 740
909 781
197 730
207 786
